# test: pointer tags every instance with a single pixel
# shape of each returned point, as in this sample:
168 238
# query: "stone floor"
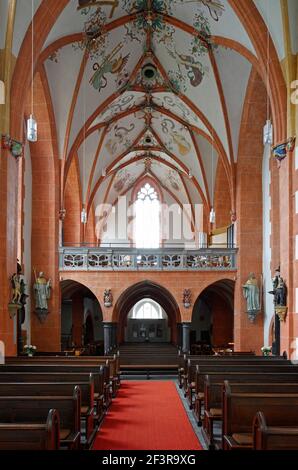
196 428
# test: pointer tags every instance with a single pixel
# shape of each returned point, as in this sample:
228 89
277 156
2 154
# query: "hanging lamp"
84 216
84 212
212 216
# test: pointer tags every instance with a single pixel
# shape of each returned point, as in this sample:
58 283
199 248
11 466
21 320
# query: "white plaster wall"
293 18
267 283
22 22
272 15
27 228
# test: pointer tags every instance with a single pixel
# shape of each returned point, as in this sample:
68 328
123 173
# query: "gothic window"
147 218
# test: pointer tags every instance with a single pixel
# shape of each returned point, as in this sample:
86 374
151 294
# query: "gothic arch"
139 291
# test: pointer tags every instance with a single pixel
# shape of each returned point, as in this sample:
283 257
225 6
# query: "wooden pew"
239 410
59 389
274 436
113 363
27 409
103 370
195 368
202 382
233 376
36 436
188 363
213 398
183 361
109 366
56 377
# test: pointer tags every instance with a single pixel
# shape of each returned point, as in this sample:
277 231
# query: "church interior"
148 225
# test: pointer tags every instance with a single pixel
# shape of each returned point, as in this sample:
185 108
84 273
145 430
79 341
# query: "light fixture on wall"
31 129
212 216
31 122
84 216
268 133
2 92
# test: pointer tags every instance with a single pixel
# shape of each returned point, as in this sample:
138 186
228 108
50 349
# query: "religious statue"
279 289
251 293
108 298
187 298
42 291
19 296
16 288
280 295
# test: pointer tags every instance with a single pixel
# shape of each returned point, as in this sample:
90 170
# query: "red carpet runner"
147 416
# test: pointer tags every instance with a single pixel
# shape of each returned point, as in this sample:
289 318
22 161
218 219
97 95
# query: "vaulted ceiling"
152 87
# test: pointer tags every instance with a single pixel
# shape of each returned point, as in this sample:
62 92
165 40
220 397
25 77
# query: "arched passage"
81 318
212 317
146 290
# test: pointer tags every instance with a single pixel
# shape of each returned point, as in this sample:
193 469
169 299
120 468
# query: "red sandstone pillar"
8 245
249 336
45 216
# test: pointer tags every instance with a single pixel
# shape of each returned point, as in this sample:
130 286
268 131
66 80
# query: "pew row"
214 379
214 393
88 412
187 376
43 436
113 361
239 410
273 437
101 374
35 409
196 373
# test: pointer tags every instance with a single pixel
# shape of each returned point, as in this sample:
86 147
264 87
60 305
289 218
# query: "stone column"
185 338
179 335
107 334
114 337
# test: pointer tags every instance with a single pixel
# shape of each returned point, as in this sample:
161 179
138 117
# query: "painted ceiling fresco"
148 87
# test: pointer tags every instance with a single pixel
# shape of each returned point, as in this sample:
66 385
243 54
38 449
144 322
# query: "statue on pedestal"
19 296
42 292
251 293
280 295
